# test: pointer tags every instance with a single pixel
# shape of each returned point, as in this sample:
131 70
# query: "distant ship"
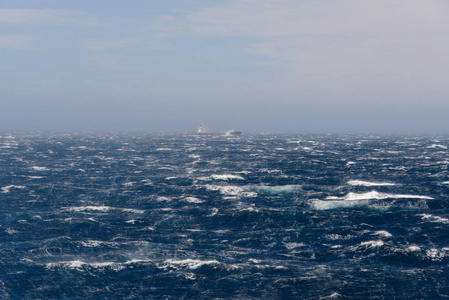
203 130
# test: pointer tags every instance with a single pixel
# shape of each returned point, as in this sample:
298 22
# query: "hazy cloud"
20 42
277 18
111 61
346 48
107 44
44 16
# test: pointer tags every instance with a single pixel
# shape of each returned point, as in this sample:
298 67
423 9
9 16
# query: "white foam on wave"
291 246
213 212
368 183
82 265
226 177
163 199
231 190
6 189
436 146
382 233
413 248
95 243
372 244
188 263
434 219
355 200
11 231
374 195
36 168
193 200
103 209
328 205
282 189
435 254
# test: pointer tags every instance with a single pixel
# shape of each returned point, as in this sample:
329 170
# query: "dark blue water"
193 217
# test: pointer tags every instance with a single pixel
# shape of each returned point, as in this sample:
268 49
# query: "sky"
291 66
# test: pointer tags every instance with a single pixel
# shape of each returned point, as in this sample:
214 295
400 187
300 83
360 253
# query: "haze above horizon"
299 66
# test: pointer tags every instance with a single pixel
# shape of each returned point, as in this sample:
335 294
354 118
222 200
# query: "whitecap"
188 263
103 209
354 200
376 196
226 190
328 205
372 244
382 233
413 248
11 231
368 183
434 219
435 254
193 200
275 190
81 265
290 246
213 213
226 177
6 189
436 146
163 199
36 168
95 243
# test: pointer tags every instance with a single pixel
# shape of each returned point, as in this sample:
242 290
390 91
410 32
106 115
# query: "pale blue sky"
346 66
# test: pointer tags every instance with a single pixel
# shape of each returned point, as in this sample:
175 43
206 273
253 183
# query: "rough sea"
178 216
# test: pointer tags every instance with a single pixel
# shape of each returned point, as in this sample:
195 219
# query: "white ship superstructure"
203 130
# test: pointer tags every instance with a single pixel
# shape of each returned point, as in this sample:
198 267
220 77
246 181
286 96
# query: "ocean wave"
276 190
336 204
370 200
84 266
7 189
193 200
374 195
224 177
368 183
436 146
187 263
382 233
36 168
434 219
231 190
103 209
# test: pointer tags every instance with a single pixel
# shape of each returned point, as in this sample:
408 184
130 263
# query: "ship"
203 130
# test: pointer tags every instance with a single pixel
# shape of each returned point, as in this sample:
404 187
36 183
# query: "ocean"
179 216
